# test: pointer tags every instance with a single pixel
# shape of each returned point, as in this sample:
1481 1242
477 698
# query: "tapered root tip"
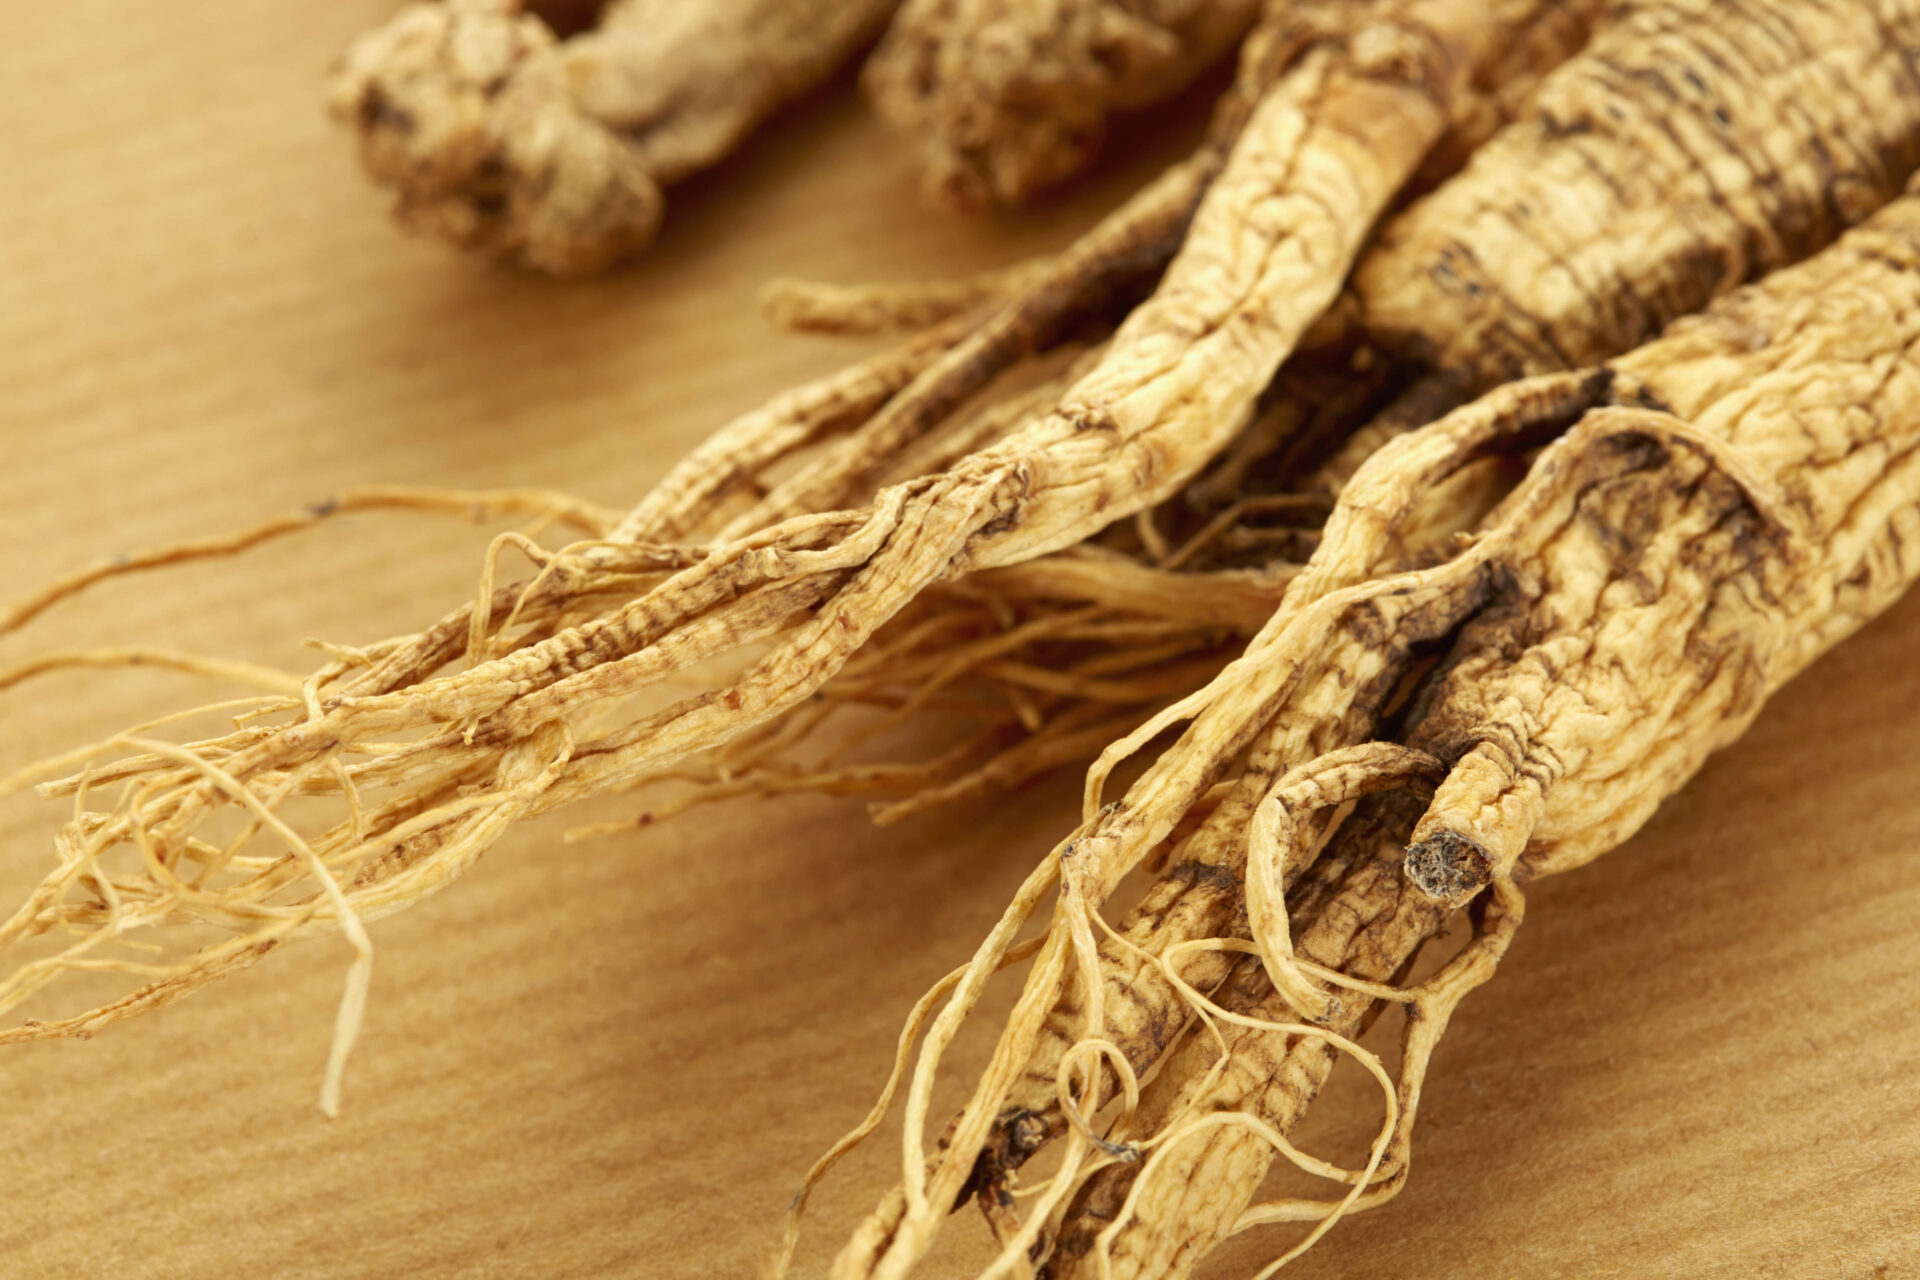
1448 866
463 111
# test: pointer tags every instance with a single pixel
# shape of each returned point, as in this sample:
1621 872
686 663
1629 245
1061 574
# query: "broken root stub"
1449 867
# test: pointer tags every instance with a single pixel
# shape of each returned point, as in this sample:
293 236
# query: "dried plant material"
552 154
479 505
1302 416
806 306
1044 662
1006 97
1713 512
423 767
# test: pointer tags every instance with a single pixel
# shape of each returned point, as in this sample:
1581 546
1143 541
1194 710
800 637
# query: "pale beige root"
1006 97
1389 86
892 404
442 821
1693 145
1743 493
1044 668
701 490
1134 241
867 420
1324 656
1051 659
1045 661
1079 279
1197 1110
1505 89
552 154
946 63
1541 37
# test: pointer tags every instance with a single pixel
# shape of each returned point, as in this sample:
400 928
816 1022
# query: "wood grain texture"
615 1059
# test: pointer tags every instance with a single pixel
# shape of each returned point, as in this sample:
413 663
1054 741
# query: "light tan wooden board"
616 1058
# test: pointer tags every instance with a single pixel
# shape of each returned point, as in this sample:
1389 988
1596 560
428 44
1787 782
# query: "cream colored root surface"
1693 145
1004 98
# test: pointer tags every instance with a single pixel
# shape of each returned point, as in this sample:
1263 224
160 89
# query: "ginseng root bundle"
1370 442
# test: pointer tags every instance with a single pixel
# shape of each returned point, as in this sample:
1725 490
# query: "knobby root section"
494 134
1004 99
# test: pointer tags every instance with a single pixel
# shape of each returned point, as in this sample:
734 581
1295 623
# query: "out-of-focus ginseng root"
494 135
1005 98
1710 513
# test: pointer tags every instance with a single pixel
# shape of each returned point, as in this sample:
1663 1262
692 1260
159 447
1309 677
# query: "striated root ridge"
1692 146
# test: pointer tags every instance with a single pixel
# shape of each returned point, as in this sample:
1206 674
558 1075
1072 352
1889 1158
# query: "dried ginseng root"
408 770
1760 165
1006 97
1709 515
494 135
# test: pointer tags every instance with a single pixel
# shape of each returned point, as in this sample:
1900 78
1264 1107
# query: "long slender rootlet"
1710 514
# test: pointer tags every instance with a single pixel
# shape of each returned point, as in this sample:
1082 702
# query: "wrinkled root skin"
1353 118
1376 931
1692 146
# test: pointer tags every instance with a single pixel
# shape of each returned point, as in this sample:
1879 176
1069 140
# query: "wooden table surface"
1702 1057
